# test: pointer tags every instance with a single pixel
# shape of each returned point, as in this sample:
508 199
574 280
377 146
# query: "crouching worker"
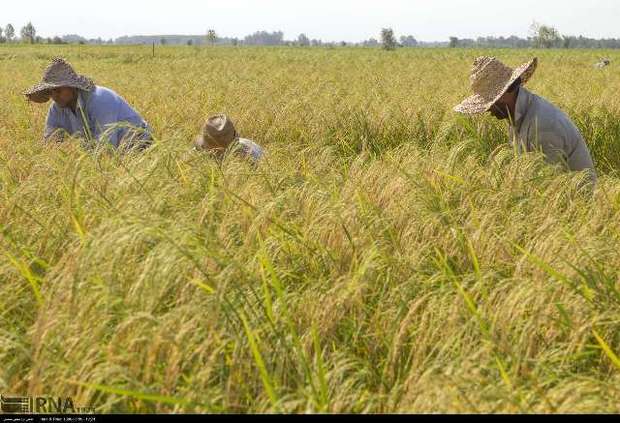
84 110
220 138
534 123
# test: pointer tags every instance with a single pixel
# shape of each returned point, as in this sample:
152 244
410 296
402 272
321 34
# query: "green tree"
408 41
9 33
388 41
544 36
303 40
29 33
211 36
454 42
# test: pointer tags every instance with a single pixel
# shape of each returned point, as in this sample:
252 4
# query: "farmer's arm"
114 118
106 123
570 150
54 128
553 146
566 146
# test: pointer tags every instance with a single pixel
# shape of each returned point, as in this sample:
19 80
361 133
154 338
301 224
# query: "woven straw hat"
59 73
219 129
490 79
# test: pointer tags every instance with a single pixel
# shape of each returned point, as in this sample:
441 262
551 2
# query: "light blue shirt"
540 124
109 117
251 149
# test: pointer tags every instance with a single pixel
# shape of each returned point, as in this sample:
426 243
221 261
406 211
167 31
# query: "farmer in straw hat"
83 109
219 137
534 122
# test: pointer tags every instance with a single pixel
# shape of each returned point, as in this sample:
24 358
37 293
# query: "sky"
329 20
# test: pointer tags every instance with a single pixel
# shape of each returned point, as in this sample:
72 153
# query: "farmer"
82 109
602 63
534 122
219 137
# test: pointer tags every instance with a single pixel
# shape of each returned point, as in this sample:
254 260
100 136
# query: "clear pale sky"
330 20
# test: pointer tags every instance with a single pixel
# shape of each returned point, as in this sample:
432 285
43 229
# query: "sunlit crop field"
388 255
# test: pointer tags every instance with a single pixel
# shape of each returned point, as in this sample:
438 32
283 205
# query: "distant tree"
9 32
211 36
2 39
29 33
265 38
454 42
57 40
162 41
343 43
545 36
234 41
388 42
190 42
303 40
408 41
372 42
73 39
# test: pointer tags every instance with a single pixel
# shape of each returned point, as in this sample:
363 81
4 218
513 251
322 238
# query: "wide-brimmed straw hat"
220 129
58 74
490 79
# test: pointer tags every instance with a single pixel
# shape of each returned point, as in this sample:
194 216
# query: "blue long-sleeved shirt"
109 117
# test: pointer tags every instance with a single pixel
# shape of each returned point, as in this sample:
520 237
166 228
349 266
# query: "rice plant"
386 256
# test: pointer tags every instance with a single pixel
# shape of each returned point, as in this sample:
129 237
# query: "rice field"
388 255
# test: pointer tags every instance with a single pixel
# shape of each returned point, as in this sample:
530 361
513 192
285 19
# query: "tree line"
28 35
540 36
